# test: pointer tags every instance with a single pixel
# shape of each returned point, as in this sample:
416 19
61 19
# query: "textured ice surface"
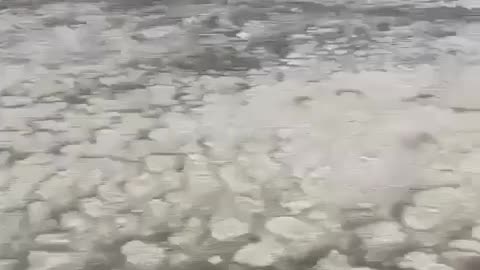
324 135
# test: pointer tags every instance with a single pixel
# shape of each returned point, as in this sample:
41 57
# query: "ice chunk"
437 198
260 167
223 85
237 180
39 216
382 233
469 4
47 86
438 266
142 148
74 135
261 254
143 256
453 205
177 259
434 177
141 188
466 245
184 125
107 230
93 207
292 228
476 232
12 74
170 181
334 261
75 221
181 205
12 223
8 264
470 163
146 186
88 182
159 31
113 196
165 138
133 124
161 163
222 150
417 260
248 207
298 206
215 260
57 191
38 159
4 159
53 240
15 101
202 182
381 238
228 228
132 100
44 260
15 118
109 142
421 218
190 235
162 95
69 39
47 110
243 35
34 143
155 215
457 259
26 178
127 225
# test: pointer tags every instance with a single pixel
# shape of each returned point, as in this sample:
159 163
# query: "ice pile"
124 166
257 176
